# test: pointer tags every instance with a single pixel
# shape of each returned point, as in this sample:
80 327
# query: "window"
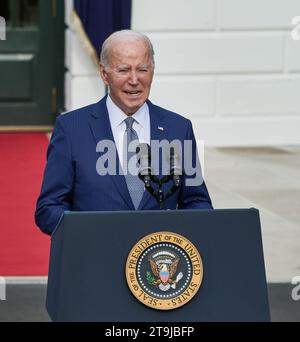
19 13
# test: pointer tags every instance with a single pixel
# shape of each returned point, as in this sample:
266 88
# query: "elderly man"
72 179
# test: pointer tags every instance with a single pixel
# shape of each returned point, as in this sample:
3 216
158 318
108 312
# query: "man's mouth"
134 93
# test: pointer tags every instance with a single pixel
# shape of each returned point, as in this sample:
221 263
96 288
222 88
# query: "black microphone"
143 152
175 166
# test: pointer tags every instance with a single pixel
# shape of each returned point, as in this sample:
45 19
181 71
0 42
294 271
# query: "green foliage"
150 278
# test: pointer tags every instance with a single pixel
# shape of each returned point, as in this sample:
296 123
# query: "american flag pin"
160 128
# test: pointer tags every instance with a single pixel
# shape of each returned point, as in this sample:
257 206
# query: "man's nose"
133 78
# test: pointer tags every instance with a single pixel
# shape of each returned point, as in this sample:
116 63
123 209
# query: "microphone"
143 152
175 166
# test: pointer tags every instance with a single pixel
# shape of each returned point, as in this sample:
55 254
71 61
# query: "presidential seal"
164 270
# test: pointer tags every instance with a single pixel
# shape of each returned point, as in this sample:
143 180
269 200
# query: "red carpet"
24 250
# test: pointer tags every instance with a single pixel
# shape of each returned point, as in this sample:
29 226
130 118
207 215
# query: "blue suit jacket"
71 181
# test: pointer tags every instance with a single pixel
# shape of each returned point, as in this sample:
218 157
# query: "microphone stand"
145 174
159 194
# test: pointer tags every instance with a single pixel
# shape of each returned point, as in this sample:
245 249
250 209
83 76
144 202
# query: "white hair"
124 35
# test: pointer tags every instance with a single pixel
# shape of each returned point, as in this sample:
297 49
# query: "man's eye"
122 70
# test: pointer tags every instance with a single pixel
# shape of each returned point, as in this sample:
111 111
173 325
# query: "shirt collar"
117 116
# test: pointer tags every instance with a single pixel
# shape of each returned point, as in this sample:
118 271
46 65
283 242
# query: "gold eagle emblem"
164 267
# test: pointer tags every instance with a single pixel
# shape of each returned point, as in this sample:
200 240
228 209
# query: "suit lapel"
158 132
101 129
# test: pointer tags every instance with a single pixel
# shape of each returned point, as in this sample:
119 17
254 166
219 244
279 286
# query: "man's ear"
103 74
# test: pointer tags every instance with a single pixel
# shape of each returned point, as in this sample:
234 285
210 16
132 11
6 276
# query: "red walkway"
24 250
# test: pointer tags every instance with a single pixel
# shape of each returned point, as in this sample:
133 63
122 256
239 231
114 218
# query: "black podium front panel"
89 251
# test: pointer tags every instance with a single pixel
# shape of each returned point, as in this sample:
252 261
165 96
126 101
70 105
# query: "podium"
89 250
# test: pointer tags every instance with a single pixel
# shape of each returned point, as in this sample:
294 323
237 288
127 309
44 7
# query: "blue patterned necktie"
134 184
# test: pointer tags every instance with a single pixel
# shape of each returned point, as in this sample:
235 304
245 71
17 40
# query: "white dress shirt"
141 124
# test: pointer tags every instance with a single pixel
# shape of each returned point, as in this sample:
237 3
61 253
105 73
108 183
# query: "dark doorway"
31 62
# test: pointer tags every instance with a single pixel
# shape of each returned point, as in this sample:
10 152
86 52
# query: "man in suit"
73 179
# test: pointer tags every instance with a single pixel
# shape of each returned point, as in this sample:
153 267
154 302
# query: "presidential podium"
89 251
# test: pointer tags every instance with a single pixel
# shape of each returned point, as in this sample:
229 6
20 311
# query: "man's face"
129 74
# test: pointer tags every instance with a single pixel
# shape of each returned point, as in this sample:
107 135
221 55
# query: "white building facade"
231 66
